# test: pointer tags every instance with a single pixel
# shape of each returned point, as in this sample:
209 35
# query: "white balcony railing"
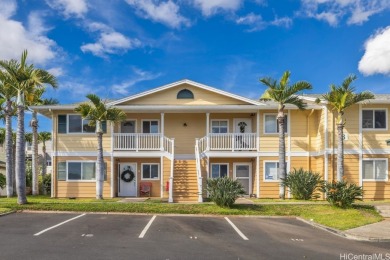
230 142
142 142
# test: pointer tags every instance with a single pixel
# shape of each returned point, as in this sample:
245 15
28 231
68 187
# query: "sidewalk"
374 232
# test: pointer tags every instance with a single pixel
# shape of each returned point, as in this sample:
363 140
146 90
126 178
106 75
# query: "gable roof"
189 82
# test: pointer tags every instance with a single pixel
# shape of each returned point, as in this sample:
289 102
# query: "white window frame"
250 174
81 180
277 162
373 123
129 119
82 120
148 120
218 120
150 179
377 159
275 114
211 169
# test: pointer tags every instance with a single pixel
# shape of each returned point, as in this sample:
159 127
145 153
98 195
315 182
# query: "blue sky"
121 47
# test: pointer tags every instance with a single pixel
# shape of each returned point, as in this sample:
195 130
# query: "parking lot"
103 236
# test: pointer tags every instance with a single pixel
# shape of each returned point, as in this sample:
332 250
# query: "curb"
343 233
7 213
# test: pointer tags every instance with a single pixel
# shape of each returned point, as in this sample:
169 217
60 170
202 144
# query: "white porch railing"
141 142
198 172
231 142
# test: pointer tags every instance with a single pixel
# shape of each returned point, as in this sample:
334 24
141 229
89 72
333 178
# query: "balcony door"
242 125
128 127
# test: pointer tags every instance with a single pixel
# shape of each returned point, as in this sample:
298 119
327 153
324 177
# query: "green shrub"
224 191
46 183
303 184
341 193
2 181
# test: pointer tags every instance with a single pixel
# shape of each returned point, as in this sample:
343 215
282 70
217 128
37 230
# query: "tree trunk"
14 167
100 165
44 162
34 163
8 150
20 167
340 151
282 153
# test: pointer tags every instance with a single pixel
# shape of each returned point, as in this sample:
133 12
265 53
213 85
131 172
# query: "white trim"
162 177
150 120
373 123
211 125
135 164
150 179
326 159
129 119
250 174
360 145
189 82
387 171
258 131
288 166
66 153
211 167
276 114
53 149
258 176
112 159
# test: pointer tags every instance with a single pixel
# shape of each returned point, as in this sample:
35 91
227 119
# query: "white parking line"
147 227
236 229
66 221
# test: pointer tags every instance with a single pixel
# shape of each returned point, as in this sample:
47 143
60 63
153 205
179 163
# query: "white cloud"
69 7
376 59
8 8
15 37
256 22
56 71
211 7
109 41
139 76
332 11
165 12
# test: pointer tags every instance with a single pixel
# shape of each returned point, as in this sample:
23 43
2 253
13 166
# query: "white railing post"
233 143
198 171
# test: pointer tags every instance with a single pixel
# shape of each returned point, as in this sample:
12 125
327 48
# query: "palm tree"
35 99
339 99
8 92
96 111
26 78
283 93
44 137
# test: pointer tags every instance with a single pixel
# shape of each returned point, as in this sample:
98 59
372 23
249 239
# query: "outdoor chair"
145 189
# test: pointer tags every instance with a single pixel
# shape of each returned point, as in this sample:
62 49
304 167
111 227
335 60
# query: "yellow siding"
299 130
156 184
201 97
81 189
166 175
351 128
185 136
351 168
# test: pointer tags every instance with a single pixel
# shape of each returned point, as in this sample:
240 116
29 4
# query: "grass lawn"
321 213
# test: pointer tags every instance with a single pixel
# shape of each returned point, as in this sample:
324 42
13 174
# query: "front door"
243 173
127 176
242 125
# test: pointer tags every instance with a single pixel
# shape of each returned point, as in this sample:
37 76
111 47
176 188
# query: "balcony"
229 142
142 142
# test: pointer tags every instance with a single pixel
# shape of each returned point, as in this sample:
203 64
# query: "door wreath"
127 175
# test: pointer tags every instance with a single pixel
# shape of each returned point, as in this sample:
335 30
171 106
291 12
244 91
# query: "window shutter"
61 124
104 126
61 171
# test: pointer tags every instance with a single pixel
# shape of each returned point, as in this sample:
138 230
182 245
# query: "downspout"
309 139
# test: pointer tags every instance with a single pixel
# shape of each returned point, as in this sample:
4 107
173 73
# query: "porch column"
258 176
112 159
162 132
258 131
207 131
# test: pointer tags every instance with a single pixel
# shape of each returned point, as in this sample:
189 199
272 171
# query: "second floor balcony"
229 142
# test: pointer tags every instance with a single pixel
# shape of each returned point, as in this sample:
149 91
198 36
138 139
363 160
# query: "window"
48 163
150 171
150 127
219 170
75 124
219 126
28 146
185 94
375 170
271 125
374 119
271 171
78 171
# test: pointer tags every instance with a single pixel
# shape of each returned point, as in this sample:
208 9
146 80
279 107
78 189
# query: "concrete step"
384 210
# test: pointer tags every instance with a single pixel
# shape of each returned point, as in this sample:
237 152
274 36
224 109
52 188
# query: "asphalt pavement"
106 236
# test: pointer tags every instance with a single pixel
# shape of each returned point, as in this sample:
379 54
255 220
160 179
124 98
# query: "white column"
326 159
112 159
53 154
162 132
207 131
258 176
289 146
258 131
162 176
170 196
